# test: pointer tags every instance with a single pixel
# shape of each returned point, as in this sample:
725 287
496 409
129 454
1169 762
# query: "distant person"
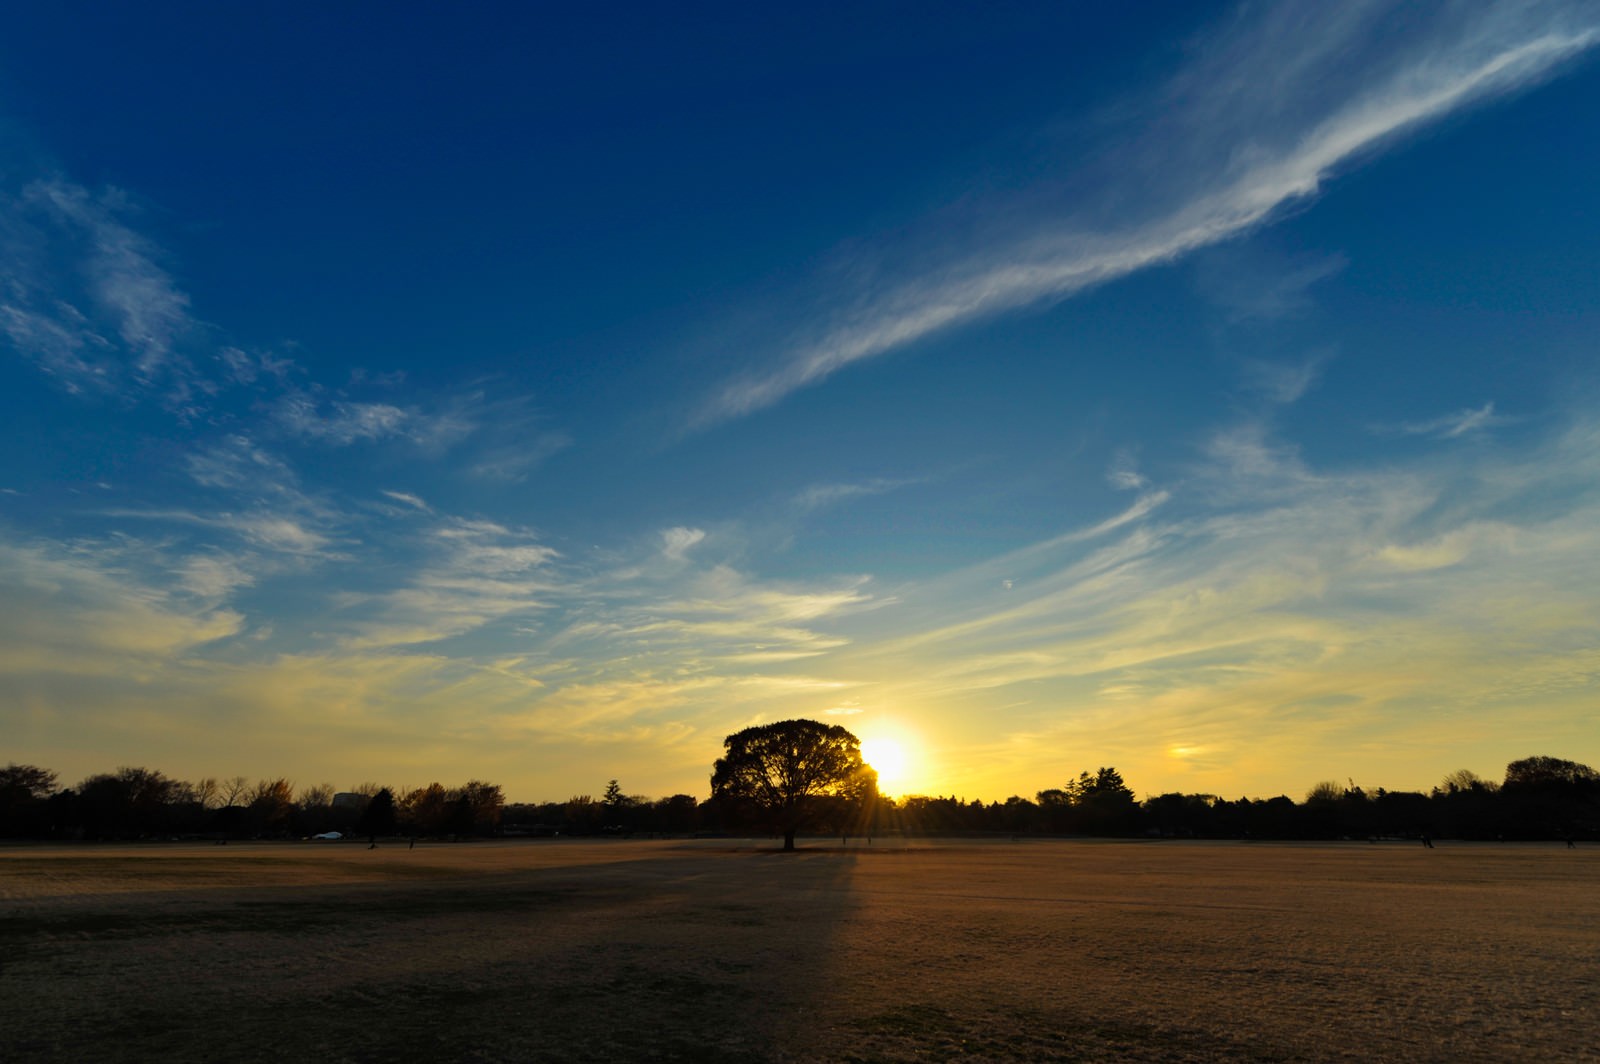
1427 842
1570 844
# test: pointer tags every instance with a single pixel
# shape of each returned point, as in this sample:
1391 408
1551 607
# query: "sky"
542 393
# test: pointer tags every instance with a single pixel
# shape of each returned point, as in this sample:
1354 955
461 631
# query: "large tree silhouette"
793 774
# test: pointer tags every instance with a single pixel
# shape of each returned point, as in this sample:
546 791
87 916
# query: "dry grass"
708 951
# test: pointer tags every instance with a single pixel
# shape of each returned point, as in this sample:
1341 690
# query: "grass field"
559 950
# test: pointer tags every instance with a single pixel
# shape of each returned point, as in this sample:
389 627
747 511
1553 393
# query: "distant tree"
1104 803
484 802
208 792
1550 774
128 802
793 774
315 805
1464 779
1548 796
582 815
316 796
425 810
1018 815
676 815
233 791
271 806
378 818
26 781
23 791
1326 791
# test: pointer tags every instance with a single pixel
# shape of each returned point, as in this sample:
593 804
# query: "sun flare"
889 757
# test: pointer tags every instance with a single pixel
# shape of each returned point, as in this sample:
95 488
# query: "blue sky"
405 393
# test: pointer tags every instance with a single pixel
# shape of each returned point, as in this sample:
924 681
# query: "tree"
1549 796
23 790
129 802
271 805
426 809
1551 774
485 802
378 817
1464 780
793 774
1103 803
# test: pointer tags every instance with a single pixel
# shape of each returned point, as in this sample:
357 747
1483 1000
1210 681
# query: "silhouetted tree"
23 792
1548 796
378 818
271 806
677 815
793 774
485 802
1551 774
425 810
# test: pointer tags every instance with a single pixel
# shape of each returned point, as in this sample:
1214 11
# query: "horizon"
543 396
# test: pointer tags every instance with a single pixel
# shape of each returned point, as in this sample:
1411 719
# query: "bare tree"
208 792
233 790
317 796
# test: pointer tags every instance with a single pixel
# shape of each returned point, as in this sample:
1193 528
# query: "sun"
889 757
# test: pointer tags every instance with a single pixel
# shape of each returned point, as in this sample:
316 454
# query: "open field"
720 951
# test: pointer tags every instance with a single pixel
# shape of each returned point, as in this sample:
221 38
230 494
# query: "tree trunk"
788 841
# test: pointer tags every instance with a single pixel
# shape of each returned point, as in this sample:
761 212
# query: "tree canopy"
794 774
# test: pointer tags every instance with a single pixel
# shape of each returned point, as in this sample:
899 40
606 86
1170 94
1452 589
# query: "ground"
717 950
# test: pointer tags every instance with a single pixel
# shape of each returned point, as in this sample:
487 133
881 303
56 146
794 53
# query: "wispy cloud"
1451 426
822 496
1249 289
1281 600
1265 115
237 463
409 499
97 607
676 542
263 528
85 295
1284 382
1124 472
342 423
476 573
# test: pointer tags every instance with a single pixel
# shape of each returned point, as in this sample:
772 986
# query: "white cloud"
1124 472
149 311
264 528
236 463
1281 605
676 542
823 496
1460 423
104 607
478 572
342 423
84 295
410 500
1284 382
1264 117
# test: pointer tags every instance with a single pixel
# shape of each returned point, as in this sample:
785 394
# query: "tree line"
1538 798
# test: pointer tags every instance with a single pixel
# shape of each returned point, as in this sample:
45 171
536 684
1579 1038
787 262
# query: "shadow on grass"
697 956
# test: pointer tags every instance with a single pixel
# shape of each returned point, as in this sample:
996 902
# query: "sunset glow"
889 759
542 395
